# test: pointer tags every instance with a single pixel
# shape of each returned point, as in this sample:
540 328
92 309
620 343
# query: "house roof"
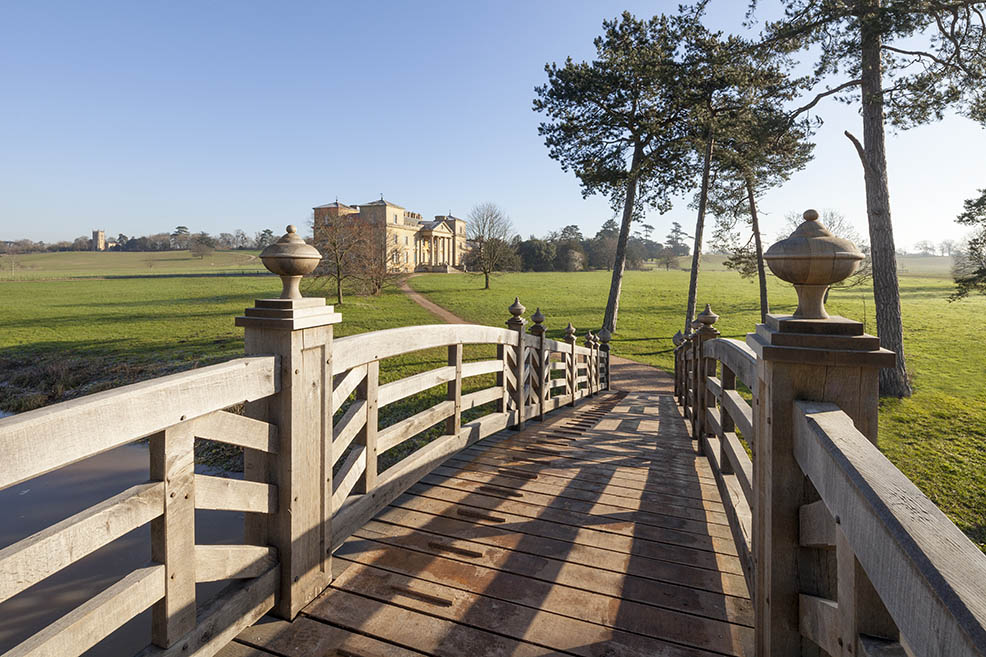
383 202
336 204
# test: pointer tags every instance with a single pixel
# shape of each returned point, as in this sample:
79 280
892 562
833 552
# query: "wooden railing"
311 443
841 550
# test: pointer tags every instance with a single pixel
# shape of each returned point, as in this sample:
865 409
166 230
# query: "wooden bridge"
549 500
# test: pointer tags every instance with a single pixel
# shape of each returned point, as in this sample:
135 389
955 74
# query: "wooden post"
543 373
828 360
571 370
367 436
728 382
704 368
173 534
454 424
604 337
517 323
299 332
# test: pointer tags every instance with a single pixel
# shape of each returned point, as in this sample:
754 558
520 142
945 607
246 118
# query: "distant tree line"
181 239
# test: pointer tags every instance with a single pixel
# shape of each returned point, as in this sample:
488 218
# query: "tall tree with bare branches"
491 233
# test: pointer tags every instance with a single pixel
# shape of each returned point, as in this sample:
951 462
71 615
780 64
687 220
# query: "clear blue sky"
135 117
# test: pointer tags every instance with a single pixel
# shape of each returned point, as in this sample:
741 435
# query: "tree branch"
828 92
860 150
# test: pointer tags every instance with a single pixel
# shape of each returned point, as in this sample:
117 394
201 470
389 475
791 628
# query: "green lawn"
110 264
937 437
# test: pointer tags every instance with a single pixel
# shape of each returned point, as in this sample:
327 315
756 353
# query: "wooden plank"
216 562
819 622
656 533
871 647
173 534
79 428
738 509
479 367
233 429
735 354
307 637
402 388
95 619
239 606
429 634
480 397
358 349
235 649
504 548
225 494
817 528
38 556
453 391
346 386
740 413
532 622
358 509
494 572
369 435
931 578
349 474
347 428
742 466
398 432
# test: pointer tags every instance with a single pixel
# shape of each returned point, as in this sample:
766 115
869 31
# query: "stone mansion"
411 243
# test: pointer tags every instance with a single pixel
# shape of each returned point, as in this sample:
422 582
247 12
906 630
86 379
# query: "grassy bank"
937 437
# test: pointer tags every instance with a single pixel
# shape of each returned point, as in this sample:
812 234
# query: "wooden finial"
538 319
570 334
516 310
290 258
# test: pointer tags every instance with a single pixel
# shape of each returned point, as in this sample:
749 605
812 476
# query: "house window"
405 241
395 217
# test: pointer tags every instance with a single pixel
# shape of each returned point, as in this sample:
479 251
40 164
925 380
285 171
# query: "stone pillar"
516 323
807 356
299 332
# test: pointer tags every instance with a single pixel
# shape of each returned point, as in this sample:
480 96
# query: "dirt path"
643 377
441 313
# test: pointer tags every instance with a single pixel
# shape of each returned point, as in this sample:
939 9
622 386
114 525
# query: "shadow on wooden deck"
598 533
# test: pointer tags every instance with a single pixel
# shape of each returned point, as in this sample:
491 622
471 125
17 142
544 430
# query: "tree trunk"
486 274
758 244
619 263
699 228
886 290
339 289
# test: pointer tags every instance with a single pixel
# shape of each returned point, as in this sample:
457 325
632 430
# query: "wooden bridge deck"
598 532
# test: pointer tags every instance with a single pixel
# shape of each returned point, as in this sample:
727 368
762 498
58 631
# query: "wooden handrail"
296 381
927 574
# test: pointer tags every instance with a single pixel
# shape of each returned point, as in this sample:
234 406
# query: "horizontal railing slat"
95 619
40 555
232 429
354 350
739 412
225 494
931 578
480 397
87 426
399 432
414 384
736 355
218 562
479 367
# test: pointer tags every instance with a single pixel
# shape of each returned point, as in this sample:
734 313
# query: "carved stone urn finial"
812 259
290 258
516 310
707 317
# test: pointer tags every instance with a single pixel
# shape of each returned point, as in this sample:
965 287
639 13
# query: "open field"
111 264
937 437
75 333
